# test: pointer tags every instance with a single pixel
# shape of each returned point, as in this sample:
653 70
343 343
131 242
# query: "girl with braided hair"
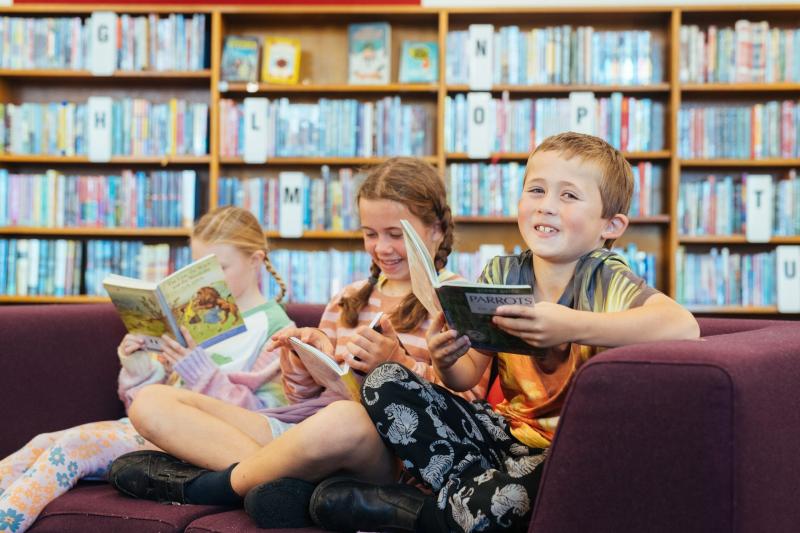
235 372
325 435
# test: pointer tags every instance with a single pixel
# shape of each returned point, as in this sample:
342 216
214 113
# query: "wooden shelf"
95 232
80 299
735 239
566 89
733 310
119 75
655 219
745 163
265 88
319 234
739 87
523 156
115 160
280 161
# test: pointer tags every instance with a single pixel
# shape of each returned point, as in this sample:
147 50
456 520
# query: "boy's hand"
130 344
445 347
542 326
172 351
313 336
368 348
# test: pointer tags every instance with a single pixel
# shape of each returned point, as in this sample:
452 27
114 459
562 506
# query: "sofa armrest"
680 436
58 368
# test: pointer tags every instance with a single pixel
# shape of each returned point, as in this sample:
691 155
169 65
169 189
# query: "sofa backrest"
58 366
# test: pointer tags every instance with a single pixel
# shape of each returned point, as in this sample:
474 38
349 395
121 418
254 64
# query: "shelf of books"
142 118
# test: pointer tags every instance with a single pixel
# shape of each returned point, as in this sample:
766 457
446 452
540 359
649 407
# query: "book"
368 46
281 62
419 62
240 58
468 307
327 372
196 297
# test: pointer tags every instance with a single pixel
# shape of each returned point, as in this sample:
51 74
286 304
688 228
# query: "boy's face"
560 210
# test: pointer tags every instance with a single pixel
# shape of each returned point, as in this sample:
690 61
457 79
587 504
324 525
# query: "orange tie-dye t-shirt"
534 388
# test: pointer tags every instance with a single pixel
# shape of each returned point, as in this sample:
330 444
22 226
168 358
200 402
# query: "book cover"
468 307
195 297
419 62
328 372
240 58
369 48
281 60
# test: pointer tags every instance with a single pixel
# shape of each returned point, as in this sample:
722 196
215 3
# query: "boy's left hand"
172 351
544 325
373 348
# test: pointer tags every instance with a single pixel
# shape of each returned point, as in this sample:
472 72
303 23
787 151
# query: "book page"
139 310
326 371
420 266
201 301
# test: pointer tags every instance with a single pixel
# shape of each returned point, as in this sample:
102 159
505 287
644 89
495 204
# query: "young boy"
484 464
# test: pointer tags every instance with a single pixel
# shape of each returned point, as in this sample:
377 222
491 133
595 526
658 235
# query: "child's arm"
548 324
297 381
138 369
459 367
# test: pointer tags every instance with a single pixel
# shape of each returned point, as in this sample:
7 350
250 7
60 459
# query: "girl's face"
383 235
240 270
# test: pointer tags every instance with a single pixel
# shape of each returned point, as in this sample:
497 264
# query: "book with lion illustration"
195 297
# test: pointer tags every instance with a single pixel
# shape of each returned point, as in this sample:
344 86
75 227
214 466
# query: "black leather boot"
344 504
153 475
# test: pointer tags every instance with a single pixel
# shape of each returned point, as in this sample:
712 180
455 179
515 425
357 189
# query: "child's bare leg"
339 438
196 428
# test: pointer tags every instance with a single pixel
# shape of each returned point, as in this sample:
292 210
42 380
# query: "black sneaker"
342 504
153 475
282 503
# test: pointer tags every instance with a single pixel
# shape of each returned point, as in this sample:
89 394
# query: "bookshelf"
322 31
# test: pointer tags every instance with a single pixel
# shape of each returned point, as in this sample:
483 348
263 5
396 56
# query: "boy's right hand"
445 347
130 344
313 336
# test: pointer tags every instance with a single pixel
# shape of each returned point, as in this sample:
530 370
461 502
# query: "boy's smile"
560 210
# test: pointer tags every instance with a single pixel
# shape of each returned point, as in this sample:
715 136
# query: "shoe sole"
280 504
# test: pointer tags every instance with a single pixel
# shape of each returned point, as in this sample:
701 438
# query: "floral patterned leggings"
483 477
52 463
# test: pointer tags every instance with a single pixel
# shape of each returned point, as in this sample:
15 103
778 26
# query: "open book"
195 297
327 372
468 307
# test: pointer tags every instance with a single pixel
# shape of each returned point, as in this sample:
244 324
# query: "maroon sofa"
677 436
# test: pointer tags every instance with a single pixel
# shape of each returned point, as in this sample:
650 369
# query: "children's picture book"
369 53
468 307
327 372
419 62
240 58
281 60
195 297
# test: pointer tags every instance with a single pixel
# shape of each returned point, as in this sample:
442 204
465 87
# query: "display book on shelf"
672 90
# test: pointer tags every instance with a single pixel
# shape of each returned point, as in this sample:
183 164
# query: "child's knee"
345 425
145 409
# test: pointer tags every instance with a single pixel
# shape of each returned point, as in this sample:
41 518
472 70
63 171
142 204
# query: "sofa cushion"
232 522
98 507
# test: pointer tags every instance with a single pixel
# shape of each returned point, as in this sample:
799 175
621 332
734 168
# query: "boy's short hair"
616 176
